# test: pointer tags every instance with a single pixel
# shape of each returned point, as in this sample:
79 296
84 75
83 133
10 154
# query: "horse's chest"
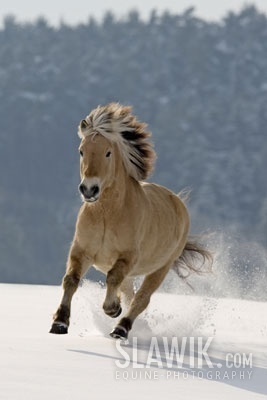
105 240
107 248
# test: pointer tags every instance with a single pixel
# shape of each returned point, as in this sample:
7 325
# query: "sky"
73 12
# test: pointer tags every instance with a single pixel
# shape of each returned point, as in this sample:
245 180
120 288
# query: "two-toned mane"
117 123
125 227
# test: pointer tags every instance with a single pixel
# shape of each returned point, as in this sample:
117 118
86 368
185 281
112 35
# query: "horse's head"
97 166
105 131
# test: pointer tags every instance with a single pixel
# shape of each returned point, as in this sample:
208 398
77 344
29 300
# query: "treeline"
201 86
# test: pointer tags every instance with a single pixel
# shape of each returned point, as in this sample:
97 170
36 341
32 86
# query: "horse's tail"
194 258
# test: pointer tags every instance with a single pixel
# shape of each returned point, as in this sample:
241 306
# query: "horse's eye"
81 153
108 154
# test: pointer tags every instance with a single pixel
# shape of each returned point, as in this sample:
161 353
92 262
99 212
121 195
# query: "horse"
125 227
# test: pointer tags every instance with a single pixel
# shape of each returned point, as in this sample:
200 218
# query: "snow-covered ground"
85 363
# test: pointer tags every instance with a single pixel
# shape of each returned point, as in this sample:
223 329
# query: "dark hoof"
59 328
119 333
117 313
113 313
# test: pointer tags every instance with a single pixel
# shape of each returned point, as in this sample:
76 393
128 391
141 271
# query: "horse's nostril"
94 190
82 188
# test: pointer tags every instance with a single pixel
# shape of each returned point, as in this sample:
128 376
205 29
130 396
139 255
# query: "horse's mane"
117 123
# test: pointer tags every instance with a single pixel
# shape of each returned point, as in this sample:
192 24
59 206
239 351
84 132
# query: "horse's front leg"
115 277
77 265
140 302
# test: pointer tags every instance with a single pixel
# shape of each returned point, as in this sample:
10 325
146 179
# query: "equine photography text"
177 353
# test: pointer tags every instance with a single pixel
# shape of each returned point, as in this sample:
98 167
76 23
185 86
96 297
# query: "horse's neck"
117 194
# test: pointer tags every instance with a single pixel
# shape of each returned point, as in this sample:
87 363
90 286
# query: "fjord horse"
125 227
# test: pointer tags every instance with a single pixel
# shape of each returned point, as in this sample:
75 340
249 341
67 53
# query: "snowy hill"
85 364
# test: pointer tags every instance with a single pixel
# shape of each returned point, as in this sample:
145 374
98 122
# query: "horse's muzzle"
90 195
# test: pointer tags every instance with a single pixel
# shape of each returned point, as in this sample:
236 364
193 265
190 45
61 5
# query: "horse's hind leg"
77 266
140 302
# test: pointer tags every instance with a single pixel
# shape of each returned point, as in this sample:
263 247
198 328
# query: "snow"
37 365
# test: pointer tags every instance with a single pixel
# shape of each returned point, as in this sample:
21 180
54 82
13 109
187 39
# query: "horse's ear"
83 124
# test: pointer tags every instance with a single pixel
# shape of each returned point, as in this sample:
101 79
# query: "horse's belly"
144 269
158 254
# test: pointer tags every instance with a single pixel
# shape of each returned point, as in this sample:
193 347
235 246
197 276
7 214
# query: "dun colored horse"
125 227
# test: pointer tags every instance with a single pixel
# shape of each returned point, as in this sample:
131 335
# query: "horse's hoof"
59 328
117 313
119 332
113 314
